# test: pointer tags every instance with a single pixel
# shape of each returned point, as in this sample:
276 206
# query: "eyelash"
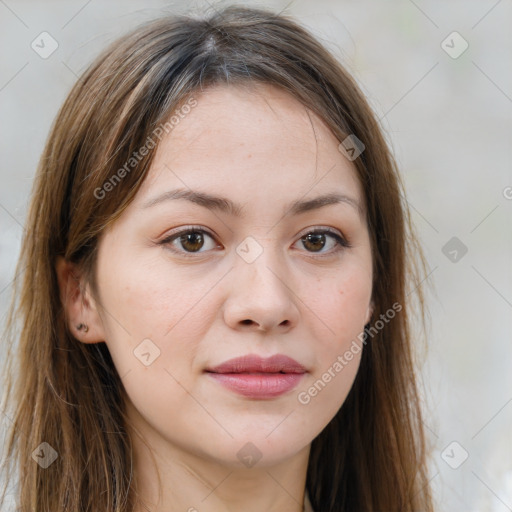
341 242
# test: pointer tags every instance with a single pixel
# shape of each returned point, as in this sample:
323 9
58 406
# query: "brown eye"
189 241
192 241
314 241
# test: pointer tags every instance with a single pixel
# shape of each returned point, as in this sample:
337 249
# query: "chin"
255 450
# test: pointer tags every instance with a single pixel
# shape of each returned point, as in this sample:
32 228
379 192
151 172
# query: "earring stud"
82 327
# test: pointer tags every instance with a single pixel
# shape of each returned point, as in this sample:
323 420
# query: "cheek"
342 303
152 336
326 389
151 300
341 308
144 303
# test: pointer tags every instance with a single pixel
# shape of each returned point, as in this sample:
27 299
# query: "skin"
261 148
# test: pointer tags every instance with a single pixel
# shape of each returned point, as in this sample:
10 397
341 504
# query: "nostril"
245 322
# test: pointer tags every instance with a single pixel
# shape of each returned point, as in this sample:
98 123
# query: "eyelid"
319 228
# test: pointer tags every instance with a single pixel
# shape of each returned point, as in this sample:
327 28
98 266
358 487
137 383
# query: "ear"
369 312
78 303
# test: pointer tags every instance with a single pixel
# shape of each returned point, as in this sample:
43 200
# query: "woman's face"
247 282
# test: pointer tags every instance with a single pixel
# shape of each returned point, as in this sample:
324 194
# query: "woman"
213 310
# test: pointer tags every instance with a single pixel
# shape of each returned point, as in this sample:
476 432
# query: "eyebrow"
225 205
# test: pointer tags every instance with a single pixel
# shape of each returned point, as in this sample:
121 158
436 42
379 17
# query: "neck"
192 484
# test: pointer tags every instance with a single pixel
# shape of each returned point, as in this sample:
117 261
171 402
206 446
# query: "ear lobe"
80 309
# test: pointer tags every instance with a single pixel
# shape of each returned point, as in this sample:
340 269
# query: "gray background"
449 123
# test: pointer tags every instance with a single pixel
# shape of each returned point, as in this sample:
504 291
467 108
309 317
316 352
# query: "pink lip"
256 377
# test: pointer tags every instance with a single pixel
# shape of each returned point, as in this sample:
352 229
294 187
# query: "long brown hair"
372 455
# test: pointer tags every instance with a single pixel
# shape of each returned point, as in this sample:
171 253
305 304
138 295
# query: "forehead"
251 141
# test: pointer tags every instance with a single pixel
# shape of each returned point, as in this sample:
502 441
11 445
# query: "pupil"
316 237
189 238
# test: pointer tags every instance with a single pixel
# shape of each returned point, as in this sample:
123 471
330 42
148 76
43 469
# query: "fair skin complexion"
203 303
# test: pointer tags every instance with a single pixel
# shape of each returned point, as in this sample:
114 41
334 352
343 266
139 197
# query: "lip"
257 377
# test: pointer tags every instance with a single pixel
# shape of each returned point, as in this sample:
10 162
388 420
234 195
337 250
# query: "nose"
261 295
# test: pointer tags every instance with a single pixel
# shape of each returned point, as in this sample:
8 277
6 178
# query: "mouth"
255 377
